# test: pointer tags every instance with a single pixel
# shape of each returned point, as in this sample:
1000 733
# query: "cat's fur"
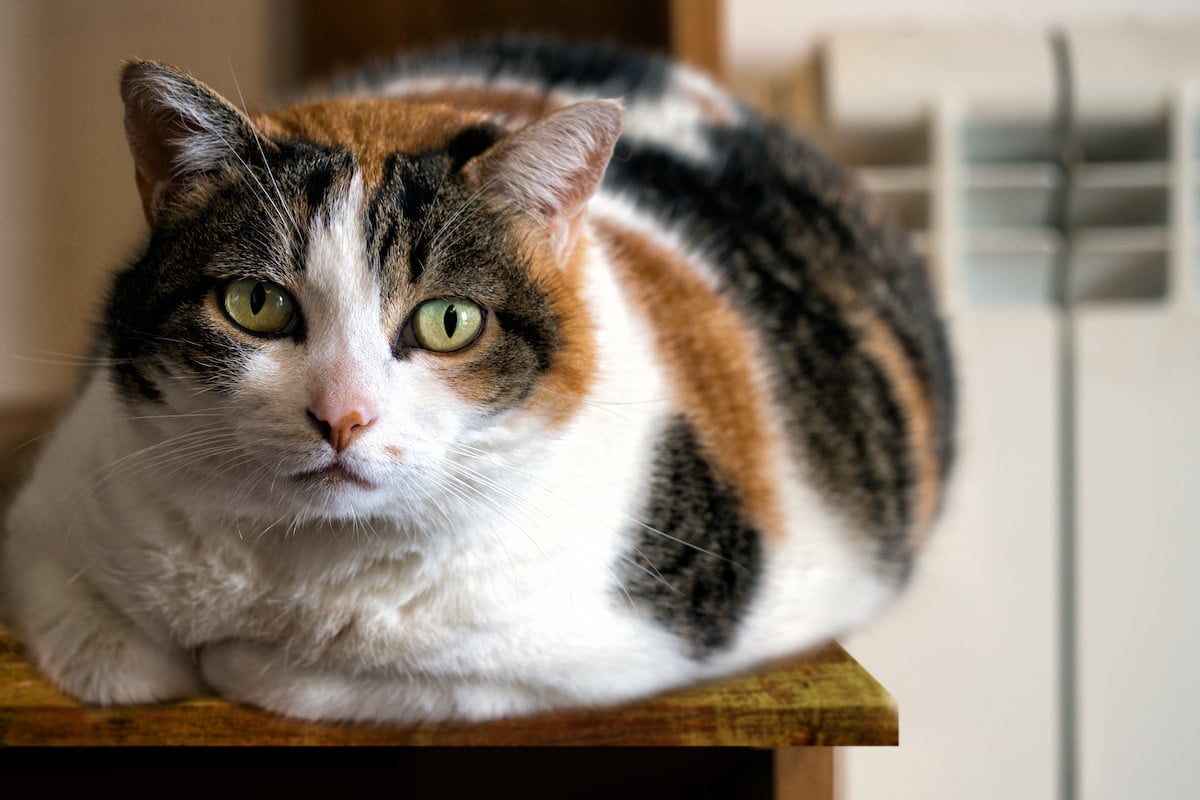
706 423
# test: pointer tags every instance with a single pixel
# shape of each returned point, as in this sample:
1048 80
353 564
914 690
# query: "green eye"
446 324
259 307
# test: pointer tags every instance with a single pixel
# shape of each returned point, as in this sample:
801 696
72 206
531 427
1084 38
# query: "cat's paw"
235 668
262 676
85 645
248 672
114 663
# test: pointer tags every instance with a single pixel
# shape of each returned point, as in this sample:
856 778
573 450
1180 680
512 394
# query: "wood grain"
824 699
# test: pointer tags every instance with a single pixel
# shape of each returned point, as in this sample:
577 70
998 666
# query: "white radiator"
1050 646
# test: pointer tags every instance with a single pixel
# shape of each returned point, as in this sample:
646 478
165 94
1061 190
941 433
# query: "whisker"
468 204
266 164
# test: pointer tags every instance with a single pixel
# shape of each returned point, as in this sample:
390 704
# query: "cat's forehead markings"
708 352
372 129
337 280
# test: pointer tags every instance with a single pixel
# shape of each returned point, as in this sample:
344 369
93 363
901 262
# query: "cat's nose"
341 426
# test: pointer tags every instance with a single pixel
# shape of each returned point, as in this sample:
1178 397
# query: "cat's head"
346 307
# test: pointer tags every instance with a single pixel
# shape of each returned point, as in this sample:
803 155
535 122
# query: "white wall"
762 35
69 212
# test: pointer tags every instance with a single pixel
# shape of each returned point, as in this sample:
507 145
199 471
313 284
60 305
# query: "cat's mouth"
335 473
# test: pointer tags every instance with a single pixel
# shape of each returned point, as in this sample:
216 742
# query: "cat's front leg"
263 676
89 648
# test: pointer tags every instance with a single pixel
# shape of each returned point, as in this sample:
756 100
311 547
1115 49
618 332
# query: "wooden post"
696 34
804 773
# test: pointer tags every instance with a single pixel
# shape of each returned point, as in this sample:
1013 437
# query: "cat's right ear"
179 131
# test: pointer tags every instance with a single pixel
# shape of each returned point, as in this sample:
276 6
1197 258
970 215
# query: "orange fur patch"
880 343
570 377
372 128
709 353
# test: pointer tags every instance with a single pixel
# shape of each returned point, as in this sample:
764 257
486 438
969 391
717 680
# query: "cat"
499 378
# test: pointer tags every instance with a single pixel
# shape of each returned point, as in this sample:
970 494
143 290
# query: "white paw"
261 676
239 670
117 664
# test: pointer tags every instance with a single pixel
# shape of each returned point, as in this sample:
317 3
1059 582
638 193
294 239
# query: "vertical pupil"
258 298
450 321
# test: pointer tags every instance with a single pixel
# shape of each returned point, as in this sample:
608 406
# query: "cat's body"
696 415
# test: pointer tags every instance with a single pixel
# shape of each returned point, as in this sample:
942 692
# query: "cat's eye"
446 324
260 307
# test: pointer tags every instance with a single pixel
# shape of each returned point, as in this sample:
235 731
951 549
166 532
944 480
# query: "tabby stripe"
881 343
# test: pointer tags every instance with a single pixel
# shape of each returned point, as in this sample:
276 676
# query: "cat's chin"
333 477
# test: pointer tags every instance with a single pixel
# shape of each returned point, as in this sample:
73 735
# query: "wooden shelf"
824 699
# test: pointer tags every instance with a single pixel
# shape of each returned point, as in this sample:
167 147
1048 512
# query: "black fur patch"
557 65
316 185
696 561
470 143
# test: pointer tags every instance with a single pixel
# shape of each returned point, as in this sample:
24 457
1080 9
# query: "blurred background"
1046 157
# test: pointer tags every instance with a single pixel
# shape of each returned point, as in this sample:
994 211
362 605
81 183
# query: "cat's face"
351 309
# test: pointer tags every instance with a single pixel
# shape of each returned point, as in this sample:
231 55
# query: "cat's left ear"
549 169
180 132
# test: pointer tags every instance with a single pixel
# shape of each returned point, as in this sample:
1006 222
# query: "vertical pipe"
1069 158
1183 277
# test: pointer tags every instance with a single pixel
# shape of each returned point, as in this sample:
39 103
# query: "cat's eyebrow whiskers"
281 215
469 204
437 195
286 211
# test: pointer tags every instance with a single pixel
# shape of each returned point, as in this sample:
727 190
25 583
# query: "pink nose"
341 426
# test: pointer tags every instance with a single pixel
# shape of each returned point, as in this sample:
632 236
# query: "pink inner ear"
551 168
176 125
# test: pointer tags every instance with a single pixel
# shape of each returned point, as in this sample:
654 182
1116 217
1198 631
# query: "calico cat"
506 377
